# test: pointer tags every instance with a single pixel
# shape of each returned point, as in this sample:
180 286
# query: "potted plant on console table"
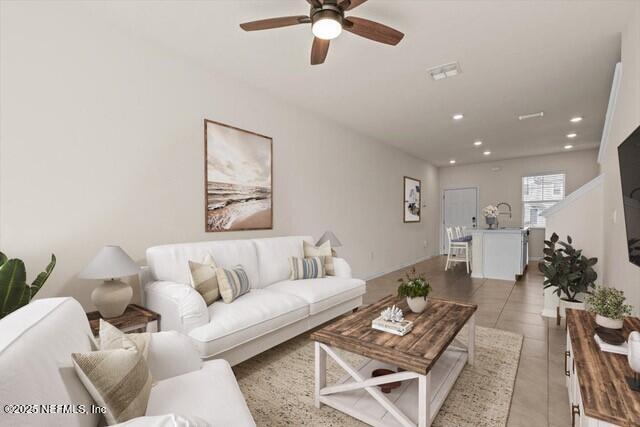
416 288
568 271
608 306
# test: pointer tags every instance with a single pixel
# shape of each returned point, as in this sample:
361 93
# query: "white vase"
607 322
633 356
564 304
417 304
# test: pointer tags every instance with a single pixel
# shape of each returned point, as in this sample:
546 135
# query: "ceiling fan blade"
315 3
267 24
350 4
319 51
373 30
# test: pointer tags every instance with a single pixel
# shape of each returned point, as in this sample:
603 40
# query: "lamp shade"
329 236
110 263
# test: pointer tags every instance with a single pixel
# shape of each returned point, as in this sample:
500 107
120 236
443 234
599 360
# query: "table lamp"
112 297
333 240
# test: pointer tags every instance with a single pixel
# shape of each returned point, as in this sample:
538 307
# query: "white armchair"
44 334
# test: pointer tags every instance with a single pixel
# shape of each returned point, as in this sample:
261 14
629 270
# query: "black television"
629 157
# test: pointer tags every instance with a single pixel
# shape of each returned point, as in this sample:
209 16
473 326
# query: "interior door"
460 208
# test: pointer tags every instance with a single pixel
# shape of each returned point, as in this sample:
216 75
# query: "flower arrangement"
414 286
490 212
608 302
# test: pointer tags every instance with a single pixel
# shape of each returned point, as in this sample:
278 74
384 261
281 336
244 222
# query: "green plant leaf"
13 282
569 240
554 238
3 259
42 277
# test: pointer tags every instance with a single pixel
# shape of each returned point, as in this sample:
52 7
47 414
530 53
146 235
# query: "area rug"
278 384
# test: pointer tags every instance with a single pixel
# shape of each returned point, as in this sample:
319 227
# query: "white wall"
102 143
580 217
505 185
618 271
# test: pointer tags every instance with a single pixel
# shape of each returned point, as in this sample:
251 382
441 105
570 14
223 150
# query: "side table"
134 319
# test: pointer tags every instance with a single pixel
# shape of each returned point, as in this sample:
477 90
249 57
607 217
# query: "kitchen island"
500 253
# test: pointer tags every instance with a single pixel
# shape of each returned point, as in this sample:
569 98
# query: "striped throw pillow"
323 251
118 380
306 268
232 283
204 279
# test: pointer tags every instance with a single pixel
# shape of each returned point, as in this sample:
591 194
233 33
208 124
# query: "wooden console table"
598 393
427 362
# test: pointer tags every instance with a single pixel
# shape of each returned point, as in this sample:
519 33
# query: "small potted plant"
608 306
416 288
490 215
568 271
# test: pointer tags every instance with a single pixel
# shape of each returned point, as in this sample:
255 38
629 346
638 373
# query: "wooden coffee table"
427 361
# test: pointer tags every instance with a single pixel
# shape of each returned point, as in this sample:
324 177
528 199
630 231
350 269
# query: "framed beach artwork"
411 200
238 179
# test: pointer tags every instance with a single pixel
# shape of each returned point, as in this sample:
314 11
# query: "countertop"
513 230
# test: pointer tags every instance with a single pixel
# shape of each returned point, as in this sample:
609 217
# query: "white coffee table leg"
424 400
471 345
321 372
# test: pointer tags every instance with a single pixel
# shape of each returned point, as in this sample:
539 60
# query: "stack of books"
619 349
398 328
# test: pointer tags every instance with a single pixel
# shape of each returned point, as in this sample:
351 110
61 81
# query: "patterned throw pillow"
204 279
118 380
324 252
232 283
306 268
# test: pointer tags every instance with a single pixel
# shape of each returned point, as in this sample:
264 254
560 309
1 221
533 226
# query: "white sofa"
275 310
36 343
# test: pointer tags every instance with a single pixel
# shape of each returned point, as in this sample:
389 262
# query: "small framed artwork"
238 179
411 200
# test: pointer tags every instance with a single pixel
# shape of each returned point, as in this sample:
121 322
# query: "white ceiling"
517 57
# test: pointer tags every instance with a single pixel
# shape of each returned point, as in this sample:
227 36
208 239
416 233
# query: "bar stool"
459 248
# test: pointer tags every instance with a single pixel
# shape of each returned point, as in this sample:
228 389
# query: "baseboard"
400 267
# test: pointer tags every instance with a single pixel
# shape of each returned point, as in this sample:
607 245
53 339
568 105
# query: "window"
539 193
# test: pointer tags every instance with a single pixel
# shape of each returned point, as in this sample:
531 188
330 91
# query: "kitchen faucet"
502 213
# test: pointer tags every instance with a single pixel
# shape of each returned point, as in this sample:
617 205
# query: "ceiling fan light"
326 28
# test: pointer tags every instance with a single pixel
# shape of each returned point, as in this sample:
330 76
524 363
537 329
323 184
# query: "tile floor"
540 397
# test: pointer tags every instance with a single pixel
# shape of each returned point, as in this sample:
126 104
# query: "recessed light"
486 153
452 161
477 143
568 147
576 119
571 135
458 116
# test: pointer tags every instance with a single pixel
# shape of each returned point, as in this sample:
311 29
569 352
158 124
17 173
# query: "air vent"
531 116
440 72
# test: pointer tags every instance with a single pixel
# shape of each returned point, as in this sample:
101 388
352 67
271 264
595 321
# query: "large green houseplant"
14 290
568 271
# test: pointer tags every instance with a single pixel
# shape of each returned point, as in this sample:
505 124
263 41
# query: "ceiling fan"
327 22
